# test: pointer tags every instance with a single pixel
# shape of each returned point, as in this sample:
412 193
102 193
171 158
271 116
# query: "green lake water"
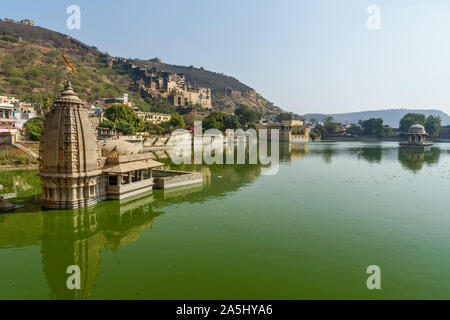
308 232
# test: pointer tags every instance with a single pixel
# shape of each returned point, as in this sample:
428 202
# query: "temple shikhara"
77 170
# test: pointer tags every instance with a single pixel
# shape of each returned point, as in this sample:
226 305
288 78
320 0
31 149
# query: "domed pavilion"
416 138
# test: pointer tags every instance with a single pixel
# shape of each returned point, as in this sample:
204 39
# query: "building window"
112 180
50 193
93 190
133 176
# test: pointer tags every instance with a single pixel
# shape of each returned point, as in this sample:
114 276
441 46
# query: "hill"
31 67
390 117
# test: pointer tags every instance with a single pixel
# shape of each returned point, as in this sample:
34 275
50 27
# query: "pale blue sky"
305 56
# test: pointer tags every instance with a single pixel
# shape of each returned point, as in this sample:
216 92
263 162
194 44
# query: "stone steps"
26 150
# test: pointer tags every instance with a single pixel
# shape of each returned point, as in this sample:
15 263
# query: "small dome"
120 147
417 129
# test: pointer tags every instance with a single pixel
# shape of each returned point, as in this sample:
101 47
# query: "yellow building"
153 116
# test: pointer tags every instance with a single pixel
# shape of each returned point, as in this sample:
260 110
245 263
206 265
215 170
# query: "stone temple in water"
77 170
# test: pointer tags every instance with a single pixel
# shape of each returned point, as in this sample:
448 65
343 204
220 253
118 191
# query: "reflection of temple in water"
79 238
414 160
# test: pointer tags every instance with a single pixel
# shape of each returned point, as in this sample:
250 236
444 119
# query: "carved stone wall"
69 156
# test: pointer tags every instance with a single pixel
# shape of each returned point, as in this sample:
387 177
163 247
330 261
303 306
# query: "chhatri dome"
417 129
416 138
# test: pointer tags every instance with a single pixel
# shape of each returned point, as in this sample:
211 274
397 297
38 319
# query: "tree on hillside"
189 119
410 119
246 115
44 105
288 116
433 125
159 105
34 127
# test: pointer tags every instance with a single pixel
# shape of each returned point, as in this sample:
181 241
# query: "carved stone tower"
69 156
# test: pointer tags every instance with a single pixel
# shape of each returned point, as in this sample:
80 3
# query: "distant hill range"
390 117
29 62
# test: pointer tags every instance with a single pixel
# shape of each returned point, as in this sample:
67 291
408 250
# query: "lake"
308 232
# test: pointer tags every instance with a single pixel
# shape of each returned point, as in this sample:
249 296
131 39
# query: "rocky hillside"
31 67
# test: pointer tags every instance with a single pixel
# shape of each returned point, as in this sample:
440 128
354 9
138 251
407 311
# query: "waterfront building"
76 170
416 138
23 112
288 131
123 100
9 100
7 119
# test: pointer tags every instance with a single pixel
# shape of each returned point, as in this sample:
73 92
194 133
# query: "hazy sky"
304 56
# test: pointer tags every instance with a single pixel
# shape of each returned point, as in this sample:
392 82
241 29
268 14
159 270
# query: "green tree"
319 130
354 129
433 125
386 131
230 121
221 121
125 128
246 115
107 124
176 121
372 127
119 112
44 104
189 119
329 126
214 121
410 119
34 127
288 116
